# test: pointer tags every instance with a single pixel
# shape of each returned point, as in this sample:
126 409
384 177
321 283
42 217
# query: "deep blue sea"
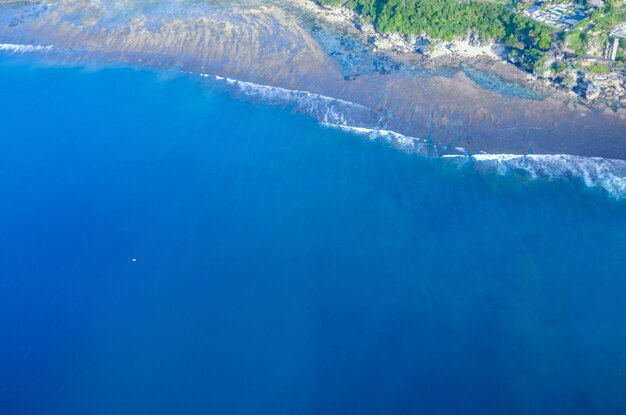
282 267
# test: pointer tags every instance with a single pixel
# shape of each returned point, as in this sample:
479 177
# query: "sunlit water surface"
165 248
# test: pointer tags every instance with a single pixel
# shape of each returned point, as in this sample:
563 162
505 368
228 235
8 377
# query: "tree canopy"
446 19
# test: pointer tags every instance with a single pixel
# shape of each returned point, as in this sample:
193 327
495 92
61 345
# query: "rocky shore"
560 73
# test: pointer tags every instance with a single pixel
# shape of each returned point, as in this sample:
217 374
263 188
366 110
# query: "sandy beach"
466 97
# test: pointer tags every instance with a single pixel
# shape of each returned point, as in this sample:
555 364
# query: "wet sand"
290 44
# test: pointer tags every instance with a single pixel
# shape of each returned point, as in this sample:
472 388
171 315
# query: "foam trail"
327 110
608 174
16 48
278 92
331 112
397 140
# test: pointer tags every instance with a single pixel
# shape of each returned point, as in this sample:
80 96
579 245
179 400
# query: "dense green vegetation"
577 40
446 19
606 18
599 69
500 20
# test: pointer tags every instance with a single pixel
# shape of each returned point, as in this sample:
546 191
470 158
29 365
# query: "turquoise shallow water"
284 267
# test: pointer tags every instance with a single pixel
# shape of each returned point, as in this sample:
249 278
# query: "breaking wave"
327 110
397 140
607 174
330 112
595 172
16 48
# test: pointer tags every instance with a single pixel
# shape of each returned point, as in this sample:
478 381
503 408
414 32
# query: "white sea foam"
278 92
328 110
401 141
16 48
608 174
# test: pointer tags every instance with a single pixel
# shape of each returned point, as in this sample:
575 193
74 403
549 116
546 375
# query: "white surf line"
401 141
19 48
260 88
609 174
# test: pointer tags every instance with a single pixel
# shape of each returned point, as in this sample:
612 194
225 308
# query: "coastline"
453 101
486 56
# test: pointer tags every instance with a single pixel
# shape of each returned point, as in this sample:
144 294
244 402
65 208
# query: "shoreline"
605 174
269 44
459 51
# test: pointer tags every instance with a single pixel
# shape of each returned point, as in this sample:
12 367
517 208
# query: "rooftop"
561 16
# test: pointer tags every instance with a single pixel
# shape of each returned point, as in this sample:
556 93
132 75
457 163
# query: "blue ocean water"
283 267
